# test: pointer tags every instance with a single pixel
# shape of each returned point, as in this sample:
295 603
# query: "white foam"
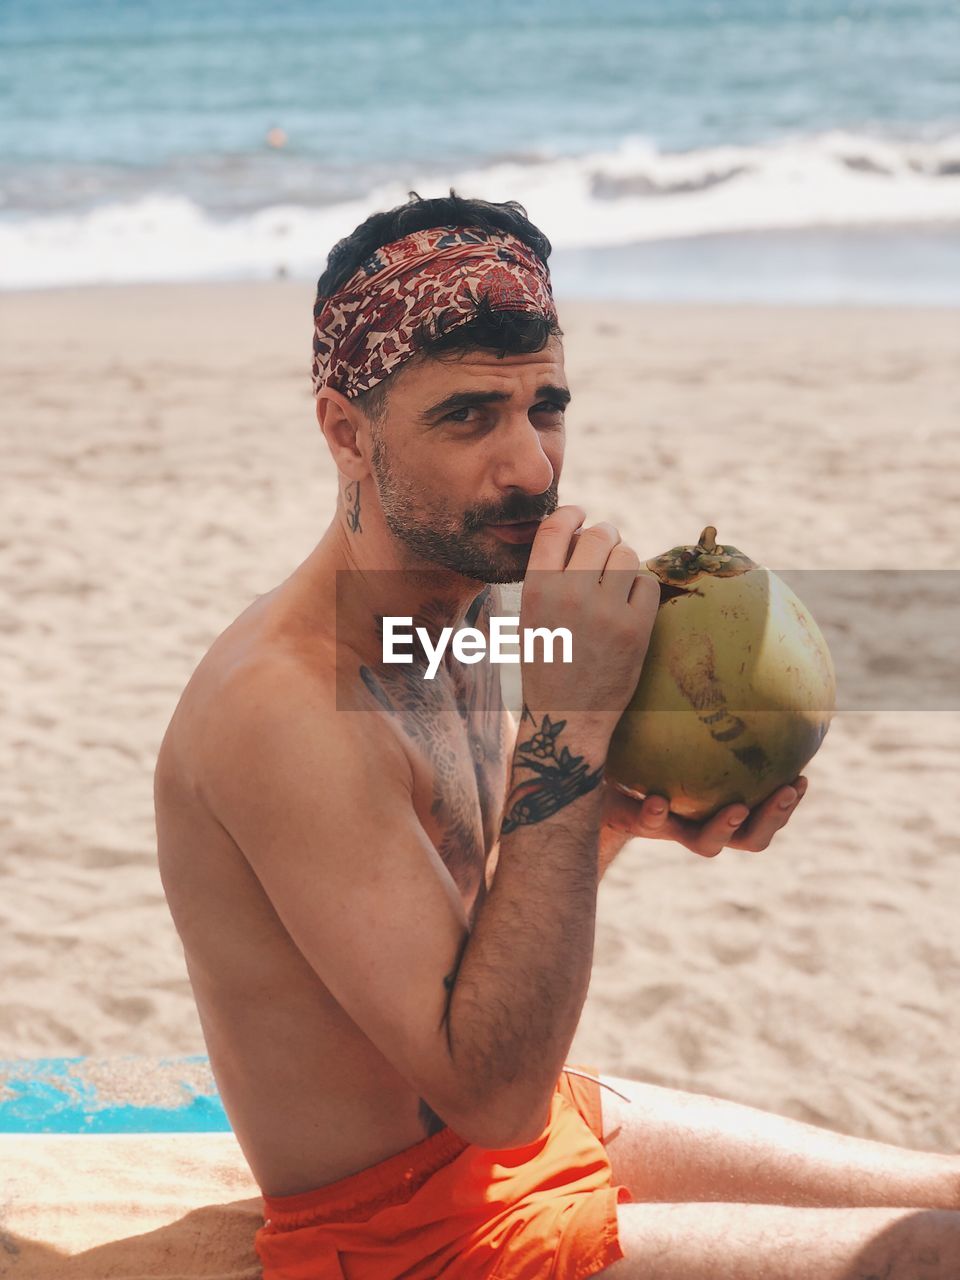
624 196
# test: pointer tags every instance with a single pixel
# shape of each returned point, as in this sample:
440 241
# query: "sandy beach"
162 467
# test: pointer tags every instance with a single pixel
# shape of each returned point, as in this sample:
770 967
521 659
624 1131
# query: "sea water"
795 150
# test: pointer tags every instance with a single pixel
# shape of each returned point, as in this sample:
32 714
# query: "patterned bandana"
368 327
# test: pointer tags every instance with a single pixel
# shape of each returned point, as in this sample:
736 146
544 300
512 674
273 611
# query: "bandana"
368 327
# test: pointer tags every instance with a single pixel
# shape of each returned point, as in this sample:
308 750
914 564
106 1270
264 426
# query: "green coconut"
737 689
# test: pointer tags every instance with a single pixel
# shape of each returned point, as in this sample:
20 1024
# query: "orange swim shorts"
443 1208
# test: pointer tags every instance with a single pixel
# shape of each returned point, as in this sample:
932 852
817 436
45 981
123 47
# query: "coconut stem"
708 540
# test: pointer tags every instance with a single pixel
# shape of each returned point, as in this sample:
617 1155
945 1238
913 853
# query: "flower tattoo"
560 777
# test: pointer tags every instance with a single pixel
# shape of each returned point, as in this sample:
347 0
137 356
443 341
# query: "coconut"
737 689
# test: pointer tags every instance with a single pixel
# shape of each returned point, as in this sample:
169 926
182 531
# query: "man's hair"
505 332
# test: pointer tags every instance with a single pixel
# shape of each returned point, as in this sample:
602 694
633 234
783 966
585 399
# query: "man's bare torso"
310 1098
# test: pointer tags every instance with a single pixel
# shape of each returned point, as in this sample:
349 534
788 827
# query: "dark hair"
506 332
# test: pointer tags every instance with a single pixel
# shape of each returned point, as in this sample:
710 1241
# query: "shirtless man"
386 890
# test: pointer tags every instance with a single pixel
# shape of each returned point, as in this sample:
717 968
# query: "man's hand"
588 581
734 827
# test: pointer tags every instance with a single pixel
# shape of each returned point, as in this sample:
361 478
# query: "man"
386 890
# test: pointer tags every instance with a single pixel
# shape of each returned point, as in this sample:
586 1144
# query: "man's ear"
343 426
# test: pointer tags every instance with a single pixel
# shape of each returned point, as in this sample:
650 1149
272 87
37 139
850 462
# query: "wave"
627 195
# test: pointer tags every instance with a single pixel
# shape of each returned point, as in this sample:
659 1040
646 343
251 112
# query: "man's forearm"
524 973
611 841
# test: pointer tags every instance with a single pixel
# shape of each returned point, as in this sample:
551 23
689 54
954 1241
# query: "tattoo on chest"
559 777
459 708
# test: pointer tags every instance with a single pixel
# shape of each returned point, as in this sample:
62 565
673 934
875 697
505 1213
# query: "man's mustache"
518 507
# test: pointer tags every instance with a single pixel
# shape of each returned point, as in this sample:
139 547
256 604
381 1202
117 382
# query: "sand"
162 466
127 1206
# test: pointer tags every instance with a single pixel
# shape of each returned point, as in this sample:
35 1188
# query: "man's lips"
515 531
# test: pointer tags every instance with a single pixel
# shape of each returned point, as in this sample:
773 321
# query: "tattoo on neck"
351 502
560 778
480 606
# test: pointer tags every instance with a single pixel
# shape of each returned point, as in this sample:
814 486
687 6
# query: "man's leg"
666 1145
776 1242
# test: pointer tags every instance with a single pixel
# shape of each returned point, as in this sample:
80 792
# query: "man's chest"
453 728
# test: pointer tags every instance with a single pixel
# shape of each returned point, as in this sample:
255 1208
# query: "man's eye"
544 405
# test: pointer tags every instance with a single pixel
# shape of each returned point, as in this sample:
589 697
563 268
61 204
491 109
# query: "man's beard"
455 542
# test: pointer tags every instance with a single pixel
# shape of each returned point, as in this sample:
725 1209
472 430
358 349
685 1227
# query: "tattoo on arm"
429 1118
351 502
449 981
560 778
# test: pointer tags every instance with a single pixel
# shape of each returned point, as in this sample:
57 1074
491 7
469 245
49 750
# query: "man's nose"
521 461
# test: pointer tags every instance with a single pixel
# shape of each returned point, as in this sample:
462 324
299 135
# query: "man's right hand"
592 586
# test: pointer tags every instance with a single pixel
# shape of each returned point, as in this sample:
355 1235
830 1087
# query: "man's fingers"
653 815
755 835
653 818
719 831
645 592
623 559
734 827
594 546
620 571
550 546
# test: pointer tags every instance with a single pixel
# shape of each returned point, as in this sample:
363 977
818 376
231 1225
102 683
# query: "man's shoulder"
241 682
280 722
274 691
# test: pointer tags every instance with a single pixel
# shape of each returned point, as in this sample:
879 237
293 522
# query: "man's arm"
533 939
522 980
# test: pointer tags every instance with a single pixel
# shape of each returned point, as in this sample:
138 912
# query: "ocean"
787 150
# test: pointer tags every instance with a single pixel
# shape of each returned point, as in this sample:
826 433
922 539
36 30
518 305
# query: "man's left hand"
734 827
